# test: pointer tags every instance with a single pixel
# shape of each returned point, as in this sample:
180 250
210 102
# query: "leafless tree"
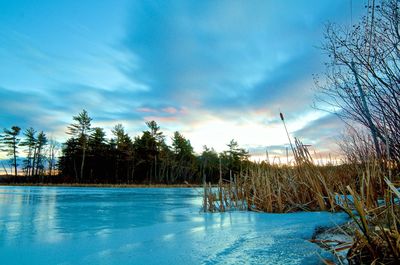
362 81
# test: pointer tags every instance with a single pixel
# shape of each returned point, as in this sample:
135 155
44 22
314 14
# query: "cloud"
215 70
227 55
323 134
233 65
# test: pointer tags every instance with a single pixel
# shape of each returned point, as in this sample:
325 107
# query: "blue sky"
214 70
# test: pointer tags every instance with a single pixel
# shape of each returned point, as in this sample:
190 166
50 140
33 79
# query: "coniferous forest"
88 156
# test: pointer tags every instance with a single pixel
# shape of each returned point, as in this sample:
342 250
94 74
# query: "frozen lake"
54 225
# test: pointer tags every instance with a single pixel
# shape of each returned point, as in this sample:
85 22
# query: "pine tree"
123 151
41 142
11 141
184 157
29 142
156 139
234 157
81 130
99 156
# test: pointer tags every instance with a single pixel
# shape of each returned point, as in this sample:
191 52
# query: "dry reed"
361 189
272 188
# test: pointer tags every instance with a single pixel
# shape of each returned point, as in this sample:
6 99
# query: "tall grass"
273 188
364 189
377 239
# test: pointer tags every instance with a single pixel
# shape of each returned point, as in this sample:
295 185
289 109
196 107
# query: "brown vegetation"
365 188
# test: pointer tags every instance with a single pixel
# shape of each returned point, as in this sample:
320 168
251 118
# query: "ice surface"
54 225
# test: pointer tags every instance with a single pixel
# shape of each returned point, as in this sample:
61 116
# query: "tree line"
88 156
40 152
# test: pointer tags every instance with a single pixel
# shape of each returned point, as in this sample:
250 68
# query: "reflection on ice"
56 225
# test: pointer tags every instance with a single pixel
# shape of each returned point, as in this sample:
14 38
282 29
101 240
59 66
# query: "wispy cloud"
215 70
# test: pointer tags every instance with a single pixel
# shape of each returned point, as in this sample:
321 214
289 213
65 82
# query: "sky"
213 70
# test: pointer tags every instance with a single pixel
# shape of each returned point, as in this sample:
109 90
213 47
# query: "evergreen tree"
99 156
234 157
166 158
155 132
10 145
97 140
154 142
184 157
39 156
30 143
81 131
68 161
145 148
181 146
124 151
209 164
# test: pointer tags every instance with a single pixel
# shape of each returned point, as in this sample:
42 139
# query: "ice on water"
54 225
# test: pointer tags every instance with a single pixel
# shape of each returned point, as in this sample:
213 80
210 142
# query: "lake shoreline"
88 185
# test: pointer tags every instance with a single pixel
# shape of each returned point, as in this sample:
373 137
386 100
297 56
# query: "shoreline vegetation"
362 190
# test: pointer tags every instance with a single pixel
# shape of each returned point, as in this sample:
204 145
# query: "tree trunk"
15 157
34 161
83 162
76 172
38 161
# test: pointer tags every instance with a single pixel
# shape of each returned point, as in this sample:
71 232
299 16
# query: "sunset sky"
213 70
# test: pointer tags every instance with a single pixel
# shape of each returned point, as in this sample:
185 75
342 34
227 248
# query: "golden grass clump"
377 239
273 188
